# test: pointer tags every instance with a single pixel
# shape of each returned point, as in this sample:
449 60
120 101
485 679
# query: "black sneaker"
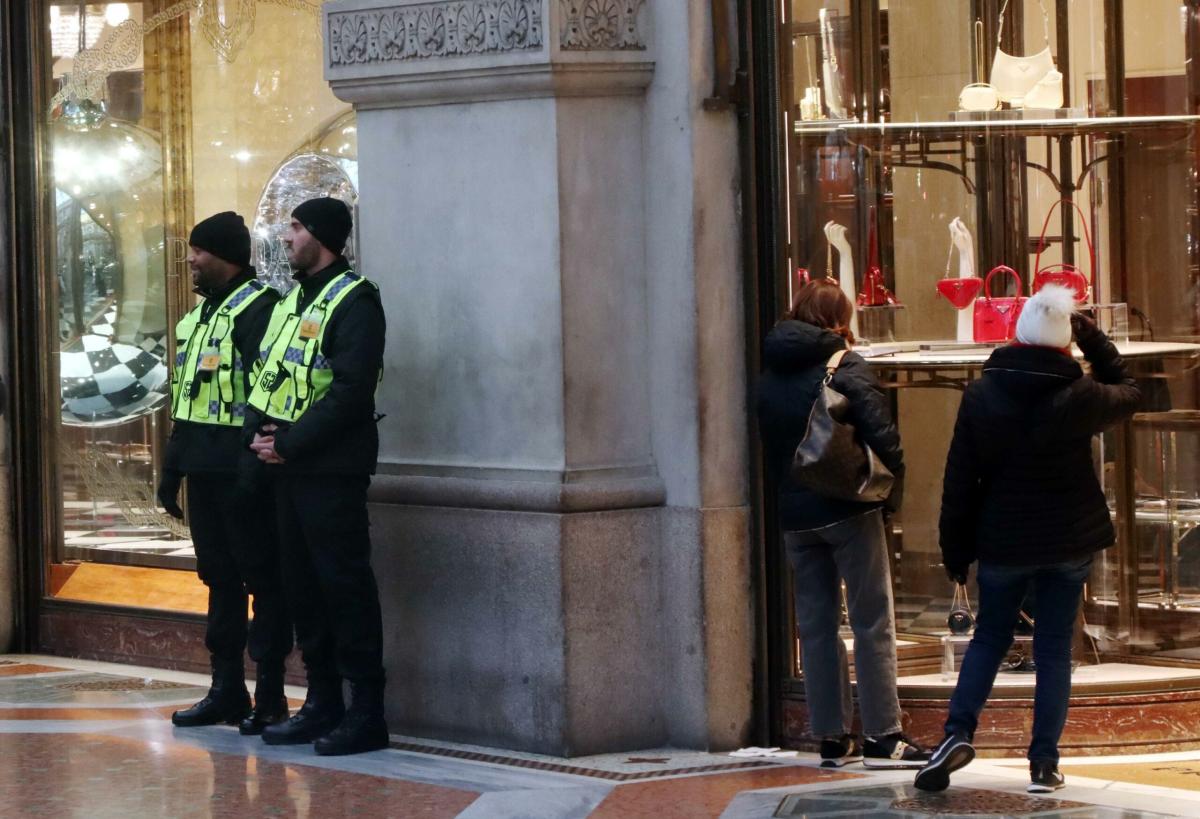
838 752
953 753
1045 778
893 751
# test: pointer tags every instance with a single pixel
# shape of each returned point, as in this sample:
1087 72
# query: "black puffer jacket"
1020 487
795 354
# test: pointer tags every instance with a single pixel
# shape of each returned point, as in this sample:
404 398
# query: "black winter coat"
1020 487
208 448
337 435
795 354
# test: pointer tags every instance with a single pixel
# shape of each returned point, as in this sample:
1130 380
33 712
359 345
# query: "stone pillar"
521 539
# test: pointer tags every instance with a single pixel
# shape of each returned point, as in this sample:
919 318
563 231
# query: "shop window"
163 113
881 155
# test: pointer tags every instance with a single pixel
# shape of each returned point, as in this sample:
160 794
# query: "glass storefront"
157 114
923 143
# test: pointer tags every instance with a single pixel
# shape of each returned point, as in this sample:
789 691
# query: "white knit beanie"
1045 319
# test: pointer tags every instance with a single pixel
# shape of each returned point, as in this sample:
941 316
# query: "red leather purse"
1067 275
874 292
960 292
996 317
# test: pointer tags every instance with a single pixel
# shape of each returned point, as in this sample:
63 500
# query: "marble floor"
87 739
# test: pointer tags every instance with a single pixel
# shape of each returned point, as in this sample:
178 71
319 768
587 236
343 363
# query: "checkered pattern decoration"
109 382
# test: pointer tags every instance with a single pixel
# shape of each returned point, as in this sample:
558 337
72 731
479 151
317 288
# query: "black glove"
1084 327
957 574
168 493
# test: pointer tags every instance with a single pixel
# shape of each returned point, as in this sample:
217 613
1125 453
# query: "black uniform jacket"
795 354
1020 486
193 447
337 434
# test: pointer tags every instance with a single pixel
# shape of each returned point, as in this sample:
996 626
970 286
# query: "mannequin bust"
836 234
962 240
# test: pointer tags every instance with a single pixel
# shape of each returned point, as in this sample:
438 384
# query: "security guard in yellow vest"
230 513
311 418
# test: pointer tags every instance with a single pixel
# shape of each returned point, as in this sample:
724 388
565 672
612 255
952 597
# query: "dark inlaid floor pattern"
905 802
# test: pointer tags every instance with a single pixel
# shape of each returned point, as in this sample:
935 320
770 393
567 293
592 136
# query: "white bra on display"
1015 77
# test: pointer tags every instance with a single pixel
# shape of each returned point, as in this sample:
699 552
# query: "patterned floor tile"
691 797
53 775
19 714
23 669
906 802
88 689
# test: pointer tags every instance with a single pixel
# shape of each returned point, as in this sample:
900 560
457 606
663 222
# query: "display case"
924 143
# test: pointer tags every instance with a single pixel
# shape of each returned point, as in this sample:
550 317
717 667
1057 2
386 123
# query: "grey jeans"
855 551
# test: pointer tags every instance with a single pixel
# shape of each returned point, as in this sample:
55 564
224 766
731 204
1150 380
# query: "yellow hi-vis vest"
208 381
292 373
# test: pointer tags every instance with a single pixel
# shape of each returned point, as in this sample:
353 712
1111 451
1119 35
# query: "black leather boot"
227 701
323 709
363 728
270 704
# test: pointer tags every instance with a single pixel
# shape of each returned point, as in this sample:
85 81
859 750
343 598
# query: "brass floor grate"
577 770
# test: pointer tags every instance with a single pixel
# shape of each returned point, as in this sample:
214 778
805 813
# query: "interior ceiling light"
116 13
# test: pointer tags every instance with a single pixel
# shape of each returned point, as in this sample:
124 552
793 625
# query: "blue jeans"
1001 589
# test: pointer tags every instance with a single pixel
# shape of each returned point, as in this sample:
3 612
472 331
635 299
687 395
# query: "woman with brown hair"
829 541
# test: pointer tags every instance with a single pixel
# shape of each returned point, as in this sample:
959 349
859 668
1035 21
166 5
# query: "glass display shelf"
879 132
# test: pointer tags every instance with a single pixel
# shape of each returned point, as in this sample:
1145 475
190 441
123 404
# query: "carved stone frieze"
431 30
602 25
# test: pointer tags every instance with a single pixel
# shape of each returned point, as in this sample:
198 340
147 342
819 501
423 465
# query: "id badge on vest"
310 326
210 361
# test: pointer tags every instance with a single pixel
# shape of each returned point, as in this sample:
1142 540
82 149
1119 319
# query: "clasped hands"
264 445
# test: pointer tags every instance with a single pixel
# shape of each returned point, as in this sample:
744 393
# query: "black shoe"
363 728
1045 778
842 751
321 713
893 751
953 753
219 707
264 714
358 733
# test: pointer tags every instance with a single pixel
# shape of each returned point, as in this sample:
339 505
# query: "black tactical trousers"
326 557
237 554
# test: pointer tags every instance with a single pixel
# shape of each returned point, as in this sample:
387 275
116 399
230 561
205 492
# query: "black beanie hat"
327 219
225 236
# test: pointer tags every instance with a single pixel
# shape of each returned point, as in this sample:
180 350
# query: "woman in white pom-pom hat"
1021 496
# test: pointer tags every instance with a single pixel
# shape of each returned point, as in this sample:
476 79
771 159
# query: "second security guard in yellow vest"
231 515
311 418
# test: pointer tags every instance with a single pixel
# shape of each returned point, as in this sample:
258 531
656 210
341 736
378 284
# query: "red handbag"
874 292
996 317
960 292
1063 274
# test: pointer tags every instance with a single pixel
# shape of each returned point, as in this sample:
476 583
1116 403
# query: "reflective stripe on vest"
292 373
207 382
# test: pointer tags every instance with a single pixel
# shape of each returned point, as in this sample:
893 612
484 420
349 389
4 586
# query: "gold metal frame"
32 309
